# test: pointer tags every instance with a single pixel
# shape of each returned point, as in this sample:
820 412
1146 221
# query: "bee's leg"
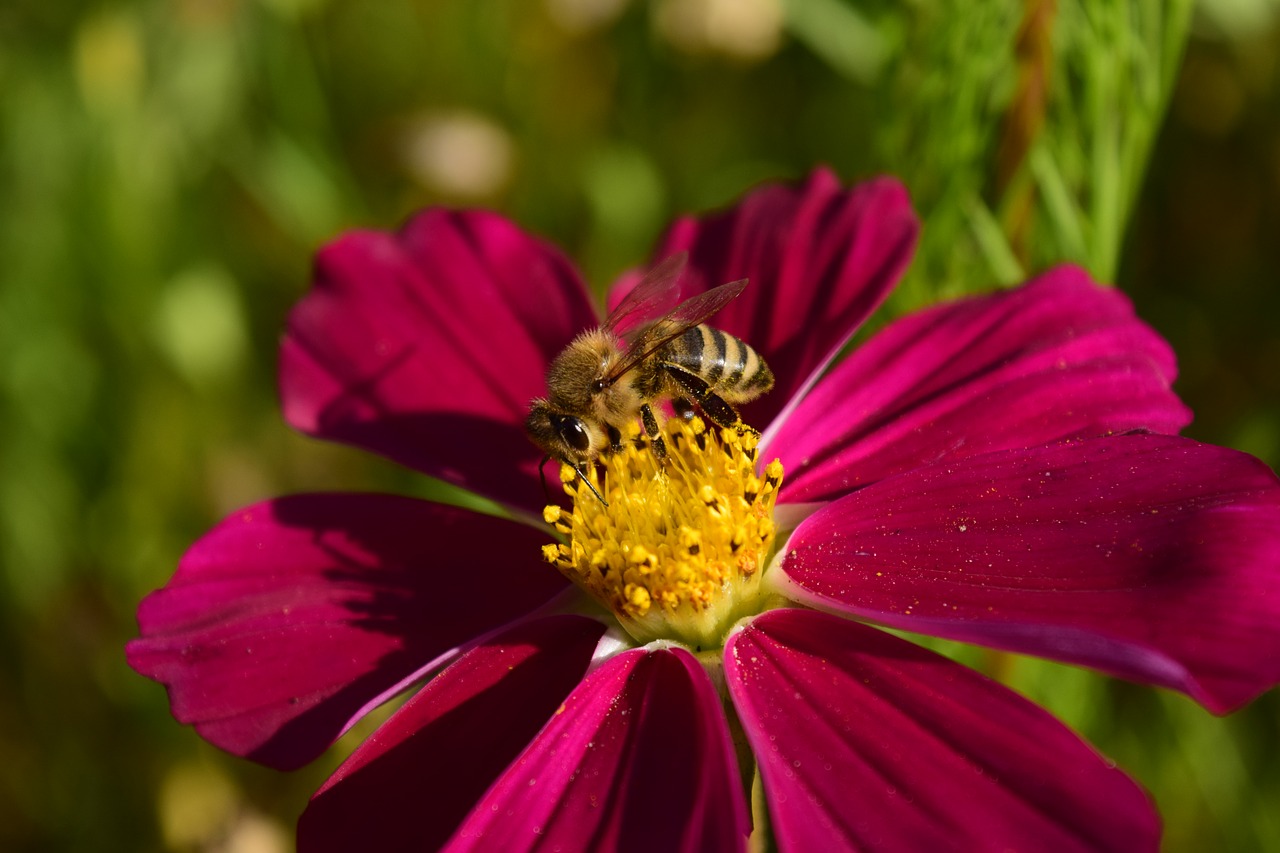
542 475
615 438
650 421
683 408
697 390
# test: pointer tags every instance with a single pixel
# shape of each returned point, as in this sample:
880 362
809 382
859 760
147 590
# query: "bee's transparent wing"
654 296
685 316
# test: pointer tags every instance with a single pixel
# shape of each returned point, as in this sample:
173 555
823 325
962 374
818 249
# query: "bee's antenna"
583 475
542 474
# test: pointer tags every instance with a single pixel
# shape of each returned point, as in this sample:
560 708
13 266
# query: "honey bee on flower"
645 352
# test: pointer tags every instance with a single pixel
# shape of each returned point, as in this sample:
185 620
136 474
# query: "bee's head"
577 375
567 438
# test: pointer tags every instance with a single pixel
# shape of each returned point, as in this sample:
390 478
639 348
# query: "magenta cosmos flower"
1003 470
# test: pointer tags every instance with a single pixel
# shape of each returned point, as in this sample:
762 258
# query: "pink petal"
291 618
819 258
1152 557
869 742
413 781
638 758
1057 358
426 346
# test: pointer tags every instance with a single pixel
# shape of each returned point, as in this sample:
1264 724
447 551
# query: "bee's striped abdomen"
731 368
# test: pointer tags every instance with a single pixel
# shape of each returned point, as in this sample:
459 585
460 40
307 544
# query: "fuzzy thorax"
679 550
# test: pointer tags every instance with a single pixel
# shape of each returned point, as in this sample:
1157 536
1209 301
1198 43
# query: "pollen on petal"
677 552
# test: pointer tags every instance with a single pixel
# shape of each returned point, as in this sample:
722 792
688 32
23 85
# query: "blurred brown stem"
1033 50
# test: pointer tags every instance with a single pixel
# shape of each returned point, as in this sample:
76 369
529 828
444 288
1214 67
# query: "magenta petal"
292 617
639 758
1057 358
820 258
426 346
866 741
411 783
1152 557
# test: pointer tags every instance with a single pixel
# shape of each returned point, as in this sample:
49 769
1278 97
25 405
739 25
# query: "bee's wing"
654 296
684 316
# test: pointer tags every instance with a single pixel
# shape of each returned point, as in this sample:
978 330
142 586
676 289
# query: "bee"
608 376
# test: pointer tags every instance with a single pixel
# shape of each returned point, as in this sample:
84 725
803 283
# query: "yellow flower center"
679 550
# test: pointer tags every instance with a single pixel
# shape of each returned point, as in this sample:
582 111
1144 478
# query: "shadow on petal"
410 784
639 758
292 618
491 458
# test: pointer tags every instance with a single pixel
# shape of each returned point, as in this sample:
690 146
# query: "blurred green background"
168 168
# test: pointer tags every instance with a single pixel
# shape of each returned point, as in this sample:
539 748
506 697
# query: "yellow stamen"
677 553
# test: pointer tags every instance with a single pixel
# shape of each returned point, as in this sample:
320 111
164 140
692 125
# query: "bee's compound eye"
574 434
597 386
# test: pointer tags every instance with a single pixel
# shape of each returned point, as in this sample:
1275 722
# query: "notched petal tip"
1058 358
292 618
426 346
1151 557
818 257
